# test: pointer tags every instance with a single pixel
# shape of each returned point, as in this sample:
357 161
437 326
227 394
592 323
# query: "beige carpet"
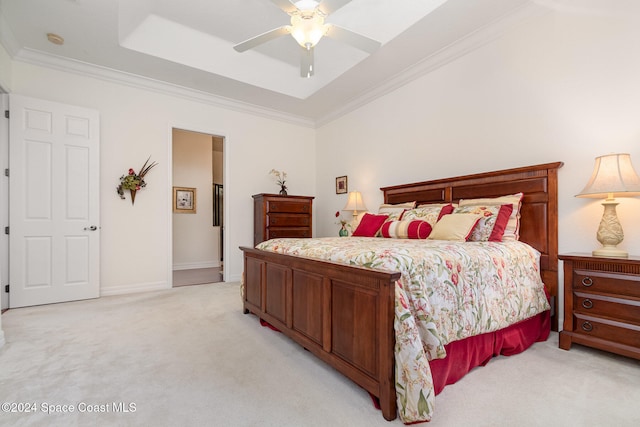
189 357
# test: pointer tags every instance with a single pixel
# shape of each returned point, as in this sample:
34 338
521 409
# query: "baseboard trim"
194 265
133 288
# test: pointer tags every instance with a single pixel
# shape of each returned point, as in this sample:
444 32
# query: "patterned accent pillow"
455 227
395 211
512 230
407 229
369 225
430 213
490 228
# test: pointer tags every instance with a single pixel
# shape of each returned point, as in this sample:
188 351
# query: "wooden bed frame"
344 314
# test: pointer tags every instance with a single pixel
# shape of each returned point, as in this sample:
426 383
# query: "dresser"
281 216
602 303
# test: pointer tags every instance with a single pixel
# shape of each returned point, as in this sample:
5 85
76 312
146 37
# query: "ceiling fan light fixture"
308 29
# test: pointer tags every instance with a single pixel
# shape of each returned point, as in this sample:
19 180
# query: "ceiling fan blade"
329 6
262 38
285 5
354 39
306 62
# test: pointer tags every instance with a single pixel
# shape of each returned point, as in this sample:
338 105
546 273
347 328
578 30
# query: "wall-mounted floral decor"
133 181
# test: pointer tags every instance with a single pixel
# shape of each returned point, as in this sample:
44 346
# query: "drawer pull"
587 281
587 327
587 303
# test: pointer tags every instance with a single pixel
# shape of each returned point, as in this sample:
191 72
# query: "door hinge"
6 172
6 230
6 288
6 114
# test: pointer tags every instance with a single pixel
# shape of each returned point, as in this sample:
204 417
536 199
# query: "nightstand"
602 303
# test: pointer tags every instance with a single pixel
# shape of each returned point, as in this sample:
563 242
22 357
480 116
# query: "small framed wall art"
341 185
184 200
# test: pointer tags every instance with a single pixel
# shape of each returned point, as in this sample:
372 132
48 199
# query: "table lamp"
354 203
613 176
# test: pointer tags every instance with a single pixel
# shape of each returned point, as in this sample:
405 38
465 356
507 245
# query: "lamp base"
610 233
610 252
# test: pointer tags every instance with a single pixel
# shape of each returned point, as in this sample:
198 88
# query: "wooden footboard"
343 314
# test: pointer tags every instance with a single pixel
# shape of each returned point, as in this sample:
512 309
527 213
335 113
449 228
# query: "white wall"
561 87
135 124
196 242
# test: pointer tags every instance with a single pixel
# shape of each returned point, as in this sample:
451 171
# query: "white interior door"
54 237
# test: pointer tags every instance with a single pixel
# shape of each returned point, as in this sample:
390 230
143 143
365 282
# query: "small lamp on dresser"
613 176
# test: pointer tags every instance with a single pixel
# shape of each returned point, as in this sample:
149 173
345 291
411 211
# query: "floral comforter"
448 291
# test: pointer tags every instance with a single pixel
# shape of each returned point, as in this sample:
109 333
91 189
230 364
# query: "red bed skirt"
464 355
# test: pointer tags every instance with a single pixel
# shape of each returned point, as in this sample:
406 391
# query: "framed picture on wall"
184 200
341 185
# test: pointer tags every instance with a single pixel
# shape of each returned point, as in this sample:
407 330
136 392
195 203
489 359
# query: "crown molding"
39 58
457 49
140 82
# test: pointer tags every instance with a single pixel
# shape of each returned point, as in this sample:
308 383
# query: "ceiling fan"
308 27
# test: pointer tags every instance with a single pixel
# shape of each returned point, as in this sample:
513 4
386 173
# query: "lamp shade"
613 176
354 203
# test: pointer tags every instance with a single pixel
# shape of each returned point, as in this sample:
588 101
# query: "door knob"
92 228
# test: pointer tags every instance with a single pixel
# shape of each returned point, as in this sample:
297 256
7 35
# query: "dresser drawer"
607 329
273 233
623 309
286 206
284 220
604 282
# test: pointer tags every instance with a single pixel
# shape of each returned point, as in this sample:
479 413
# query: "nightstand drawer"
605 282
624 309
602 303
607 329
286 220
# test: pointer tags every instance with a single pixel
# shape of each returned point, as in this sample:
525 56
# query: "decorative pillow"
512 229
407 229
395 211
369 225
456 227
430 213
492 224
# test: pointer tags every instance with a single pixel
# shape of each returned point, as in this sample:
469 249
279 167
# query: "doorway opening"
198 206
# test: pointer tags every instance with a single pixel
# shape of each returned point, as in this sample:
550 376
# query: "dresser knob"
587 327
587 303
587 281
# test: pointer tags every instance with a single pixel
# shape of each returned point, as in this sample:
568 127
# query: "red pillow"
446 210
369 225
501 223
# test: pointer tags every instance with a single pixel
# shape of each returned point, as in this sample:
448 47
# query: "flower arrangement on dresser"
280 177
